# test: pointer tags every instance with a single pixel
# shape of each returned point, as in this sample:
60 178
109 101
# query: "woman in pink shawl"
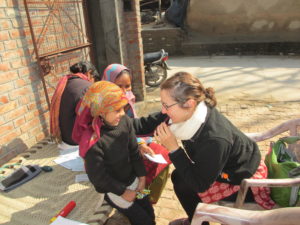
157 174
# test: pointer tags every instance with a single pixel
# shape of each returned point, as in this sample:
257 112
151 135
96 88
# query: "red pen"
65 211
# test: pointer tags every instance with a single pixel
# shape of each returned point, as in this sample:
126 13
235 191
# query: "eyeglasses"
168 106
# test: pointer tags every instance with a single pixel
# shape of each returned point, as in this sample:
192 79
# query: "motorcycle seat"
152 56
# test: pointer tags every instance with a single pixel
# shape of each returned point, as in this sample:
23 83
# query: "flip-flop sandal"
19 177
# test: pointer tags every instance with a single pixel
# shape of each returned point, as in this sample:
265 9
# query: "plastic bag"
280 161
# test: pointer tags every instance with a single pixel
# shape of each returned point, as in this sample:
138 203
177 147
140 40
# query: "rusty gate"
60 36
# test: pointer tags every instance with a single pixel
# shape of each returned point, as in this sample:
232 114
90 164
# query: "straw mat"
38 200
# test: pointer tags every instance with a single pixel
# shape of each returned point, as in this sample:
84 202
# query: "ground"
255 93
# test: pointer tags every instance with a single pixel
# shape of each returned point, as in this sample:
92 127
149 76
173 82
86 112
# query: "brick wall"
169 39
24 111
134 48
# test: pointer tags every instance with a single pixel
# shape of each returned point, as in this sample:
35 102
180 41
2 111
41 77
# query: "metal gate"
60 36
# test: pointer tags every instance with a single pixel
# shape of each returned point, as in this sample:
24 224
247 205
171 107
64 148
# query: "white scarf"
186 130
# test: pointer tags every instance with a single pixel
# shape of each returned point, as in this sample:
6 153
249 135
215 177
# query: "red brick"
31 114
3 99
34 132
19 122
4 36
4 66
9 136
24 100
26 71
19 92
2 14
4 88
17 33
40 136
7 107
6 127
16 64
9 45
8 77
14 3
1 47
16 113
12 54
29 125
5 24
20 83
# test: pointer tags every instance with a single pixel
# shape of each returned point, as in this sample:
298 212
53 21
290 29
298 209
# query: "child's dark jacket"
114 161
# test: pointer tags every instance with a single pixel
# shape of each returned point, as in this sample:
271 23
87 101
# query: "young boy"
108 144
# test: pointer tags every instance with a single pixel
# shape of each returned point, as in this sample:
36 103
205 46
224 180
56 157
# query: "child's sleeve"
147 125
135 156
97 174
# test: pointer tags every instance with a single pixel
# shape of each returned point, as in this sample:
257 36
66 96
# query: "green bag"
282 163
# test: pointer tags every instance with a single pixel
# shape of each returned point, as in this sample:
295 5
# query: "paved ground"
255 93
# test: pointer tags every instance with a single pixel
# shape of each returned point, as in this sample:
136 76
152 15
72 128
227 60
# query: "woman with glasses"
215 156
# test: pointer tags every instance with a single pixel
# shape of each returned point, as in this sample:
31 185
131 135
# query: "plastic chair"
233 216
293 127
236 215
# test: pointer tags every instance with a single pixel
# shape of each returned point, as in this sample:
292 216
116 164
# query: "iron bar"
58 2
64 50
37 53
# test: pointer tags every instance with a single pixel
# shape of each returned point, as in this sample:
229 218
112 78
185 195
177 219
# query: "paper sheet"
69 158
81 178
158 158
64 221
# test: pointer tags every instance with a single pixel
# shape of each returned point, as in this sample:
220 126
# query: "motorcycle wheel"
155 76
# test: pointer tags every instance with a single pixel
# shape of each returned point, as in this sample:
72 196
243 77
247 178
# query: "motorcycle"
156 67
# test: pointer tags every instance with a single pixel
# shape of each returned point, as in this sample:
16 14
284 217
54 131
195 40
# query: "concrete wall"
244 20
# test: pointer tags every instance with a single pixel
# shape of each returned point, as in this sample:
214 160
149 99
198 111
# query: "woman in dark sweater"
69 91
108 145
215 157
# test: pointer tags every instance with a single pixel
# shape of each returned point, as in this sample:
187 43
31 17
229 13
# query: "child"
157 174
108 144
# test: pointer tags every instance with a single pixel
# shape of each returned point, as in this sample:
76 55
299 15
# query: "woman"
107 143
215 157
68 92
157 174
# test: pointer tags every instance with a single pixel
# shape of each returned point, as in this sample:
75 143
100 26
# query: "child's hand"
129 195
143 148
142 184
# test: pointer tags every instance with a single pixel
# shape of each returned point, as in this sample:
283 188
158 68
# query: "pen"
65 211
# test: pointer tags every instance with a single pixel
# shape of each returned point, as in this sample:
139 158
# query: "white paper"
158 158
69 158
64 221
81 178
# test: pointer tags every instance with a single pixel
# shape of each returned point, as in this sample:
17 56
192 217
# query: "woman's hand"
142 184
145 149
164 136
129 195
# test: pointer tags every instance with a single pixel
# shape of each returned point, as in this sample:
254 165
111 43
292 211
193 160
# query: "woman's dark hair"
184 86
84 67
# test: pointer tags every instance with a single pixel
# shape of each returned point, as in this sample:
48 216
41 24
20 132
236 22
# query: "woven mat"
38 200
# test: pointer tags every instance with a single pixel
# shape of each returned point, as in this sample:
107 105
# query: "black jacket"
218 146
74 91
114 161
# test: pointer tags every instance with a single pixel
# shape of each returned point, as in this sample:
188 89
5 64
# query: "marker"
65 211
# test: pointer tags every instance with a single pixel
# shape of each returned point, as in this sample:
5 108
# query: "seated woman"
216 156
68 92
108 145
157 174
